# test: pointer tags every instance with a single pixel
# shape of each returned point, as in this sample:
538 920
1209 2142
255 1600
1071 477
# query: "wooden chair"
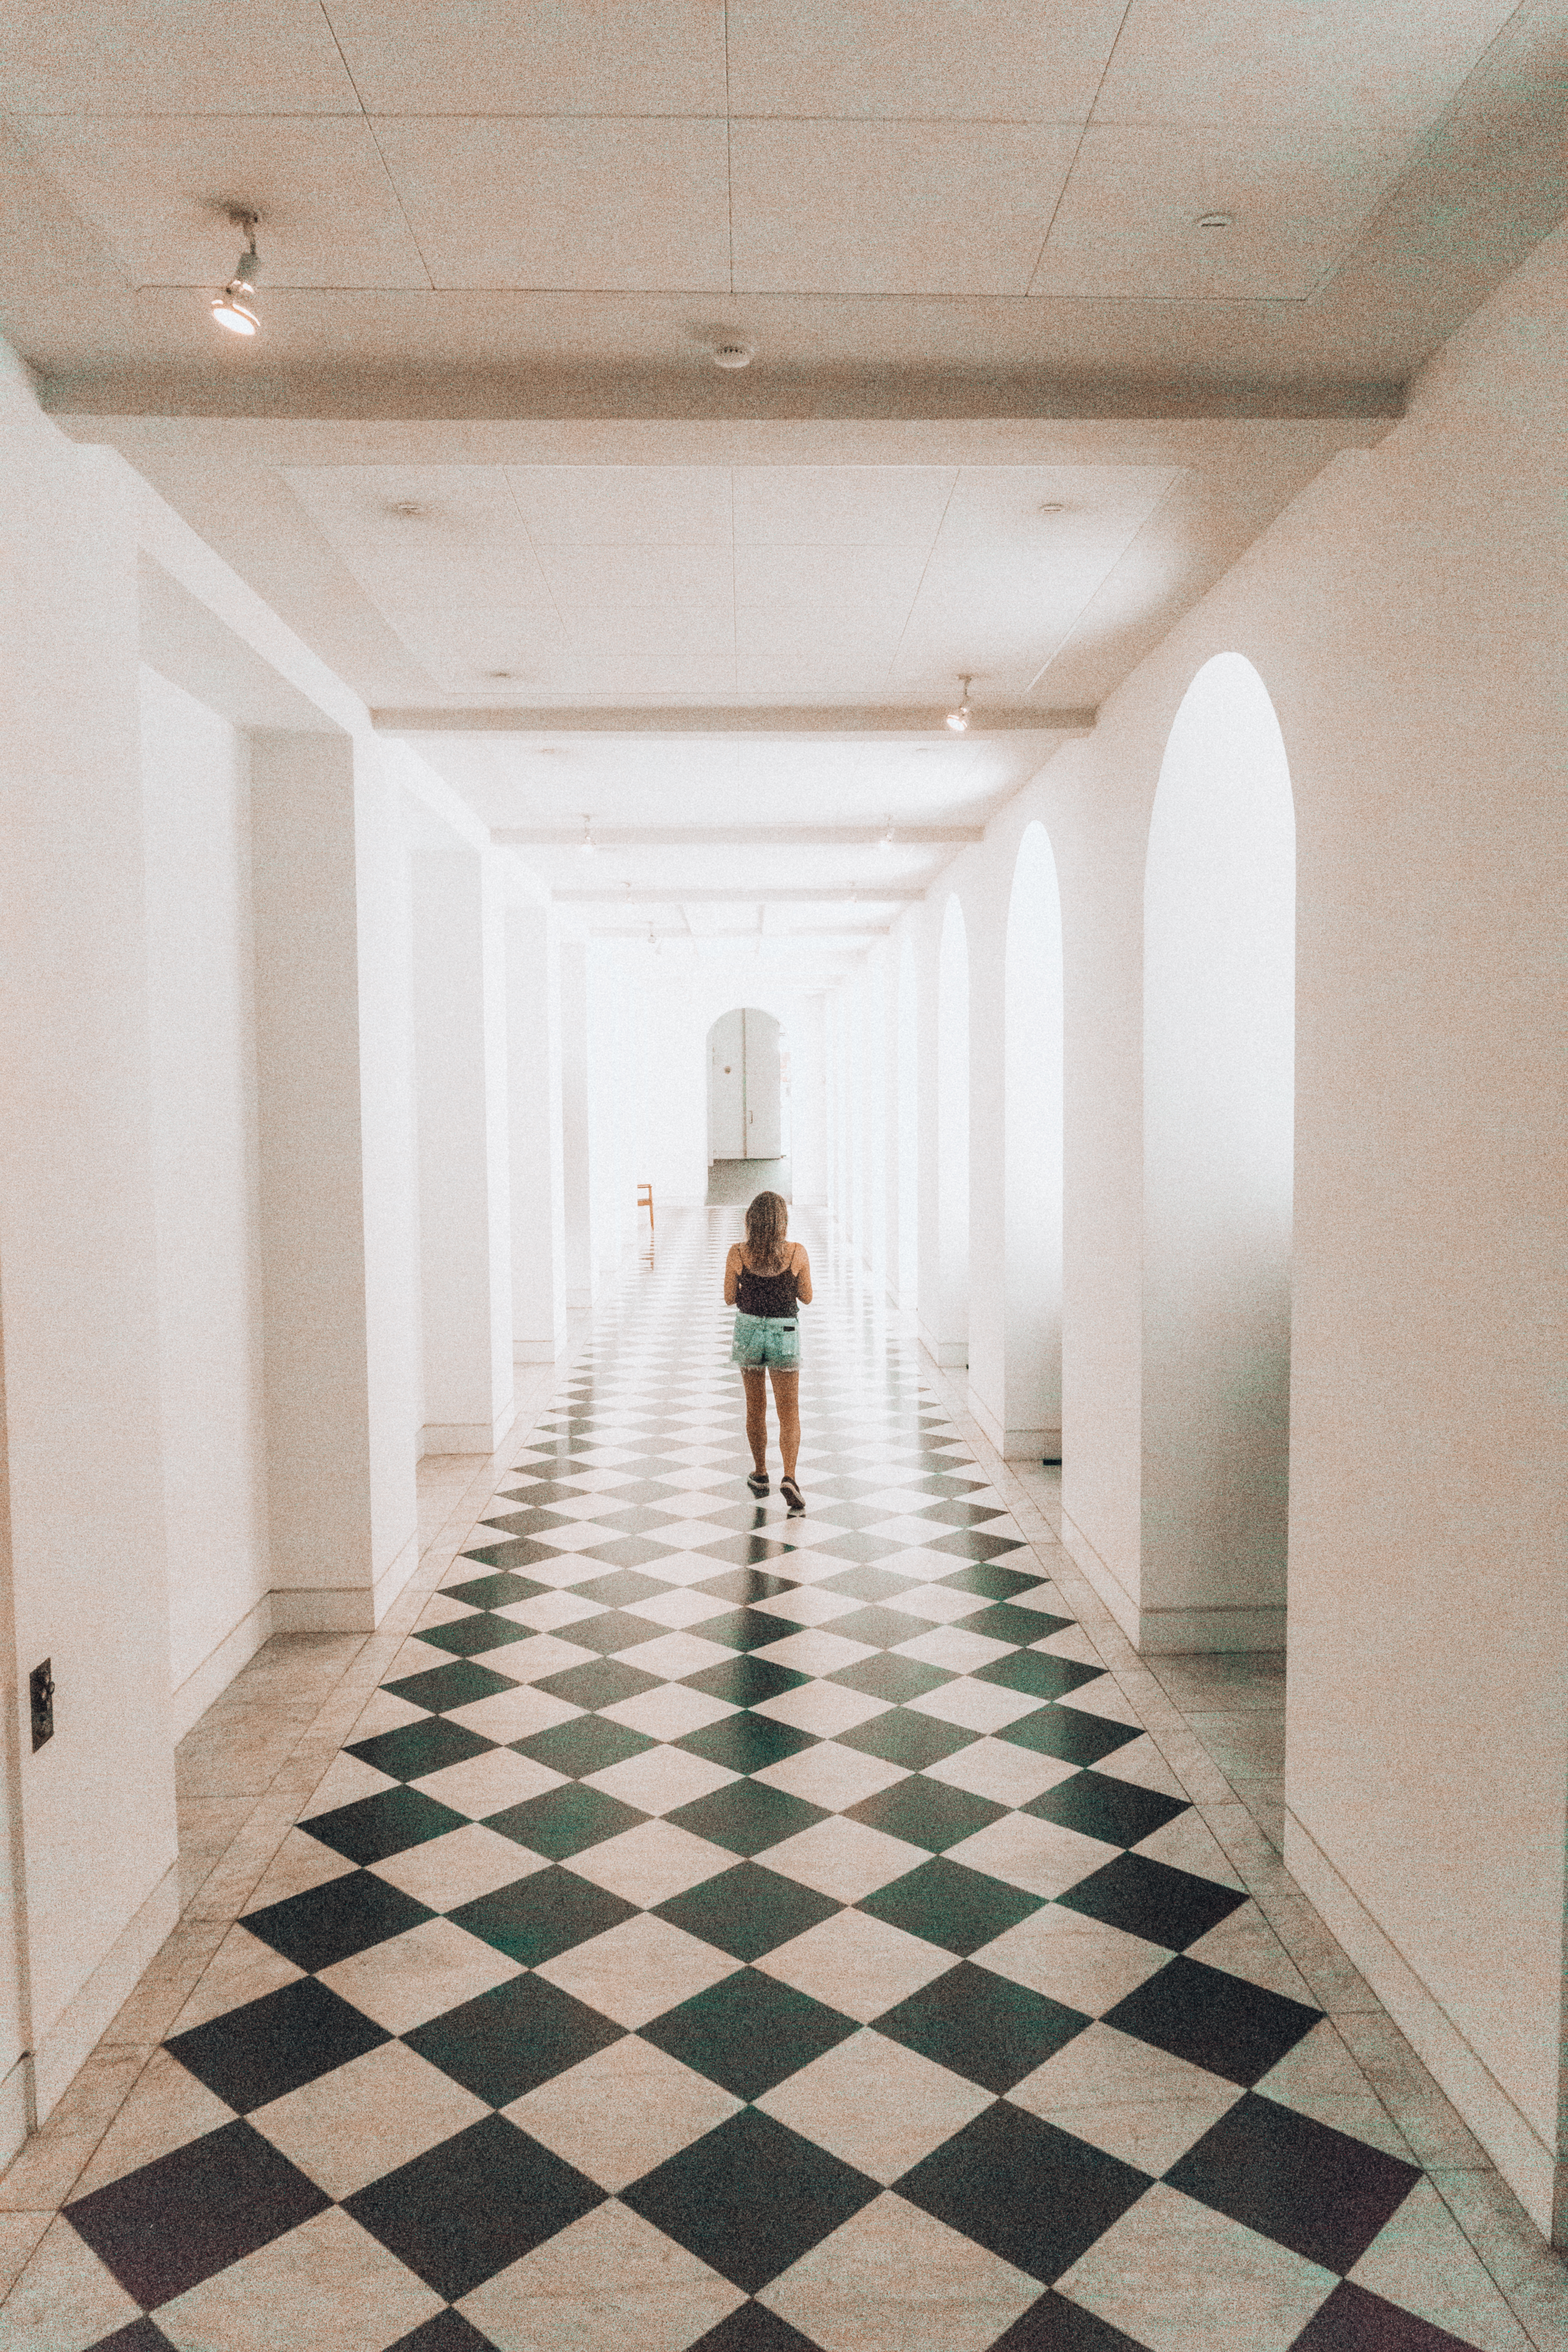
644 1201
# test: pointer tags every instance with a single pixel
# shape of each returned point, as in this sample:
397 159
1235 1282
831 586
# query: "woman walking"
767 1278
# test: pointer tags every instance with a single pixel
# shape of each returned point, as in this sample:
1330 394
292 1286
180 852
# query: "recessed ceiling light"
1214 220
234 309
1055 506
887 840
588 846
406 509
733 355
959 720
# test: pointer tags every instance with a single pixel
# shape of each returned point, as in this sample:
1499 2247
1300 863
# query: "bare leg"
757 1417
786 1396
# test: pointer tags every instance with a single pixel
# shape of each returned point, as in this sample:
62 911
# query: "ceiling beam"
736 836
721 718
679 895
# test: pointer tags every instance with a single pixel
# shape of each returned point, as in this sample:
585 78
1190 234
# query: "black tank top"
772 1295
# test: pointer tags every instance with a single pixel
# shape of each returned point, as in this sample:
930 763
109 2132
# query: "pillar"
465 1147
533 1105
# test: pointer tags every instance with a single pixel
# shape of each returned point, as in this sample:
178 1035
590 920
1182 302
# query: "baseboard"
1529 2166
16 2109
467 1436
1172 1632
947 1355
83 2021
208 1681
541 1351
323 1608
1013 1444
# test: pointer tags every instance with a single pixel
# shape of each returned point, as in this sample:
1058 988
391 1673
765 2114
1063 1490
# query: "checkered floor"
744 1933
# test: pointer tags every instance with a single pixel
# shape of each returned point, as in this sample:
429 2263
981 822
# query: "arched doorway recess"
1032 1415
748 1103
952 1318
1219 909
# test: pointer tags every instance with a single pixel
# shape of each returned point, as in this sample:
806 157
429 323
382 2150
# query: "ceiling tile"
1339 64
841 505
610 206
463 647
122 57
862 588
457 545
534 56
1028 60
893 207
156 188
612 579
624 506
1125 226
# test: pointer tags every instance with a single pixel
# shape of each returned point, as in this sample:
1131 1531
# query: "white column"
329 881
464 1204
576 1129
987 1187
538 1186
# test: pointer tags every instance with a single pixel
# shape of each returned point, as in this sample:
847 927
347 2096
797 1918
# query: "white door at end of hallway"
764 1139
727 1087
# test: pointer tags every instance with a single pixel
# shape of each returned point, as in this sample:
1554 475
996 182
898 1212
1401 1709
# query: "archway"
1032 1410
1219 902
748 1104
952 1319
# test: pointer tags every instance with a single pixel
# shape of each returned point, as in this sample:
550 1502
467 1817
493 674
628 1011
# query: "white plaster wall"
78 1254
200 953
1402 613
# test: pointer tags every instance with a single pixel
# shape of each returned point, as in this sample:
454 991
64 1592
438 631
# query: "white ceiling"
765 583
470 162
501 237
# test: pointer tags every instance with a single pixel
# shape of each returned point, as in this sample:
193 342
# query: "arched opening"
951 1322
748 1105
1032 1410
1220 911
909 1131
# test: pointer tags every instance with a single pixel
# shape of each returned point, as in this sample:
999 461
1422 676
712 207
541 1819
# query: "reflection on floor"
689 1928
1235 1705
731 1184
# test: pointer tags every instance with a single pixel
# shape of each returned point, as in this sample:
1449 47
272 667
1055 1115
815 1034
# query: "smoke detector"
733 355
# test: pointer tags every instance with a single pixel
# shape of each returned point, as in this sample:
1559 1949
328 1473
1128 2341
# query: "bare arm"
732 1275
802 1276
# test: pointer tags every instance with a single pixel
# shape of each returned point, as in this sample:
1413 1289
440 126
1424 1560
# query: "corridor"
756 1934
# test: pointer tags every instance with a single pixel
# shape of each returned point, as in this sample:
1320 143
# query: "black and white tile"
744 1933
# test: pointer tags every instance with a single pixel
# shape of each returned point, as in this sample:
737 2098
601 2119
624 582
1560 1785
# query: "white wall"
196 798
78 1254
1394 614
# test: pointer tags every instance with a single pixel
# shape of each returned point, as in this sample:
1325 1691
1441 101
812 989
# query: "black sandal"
792 1496
757 1480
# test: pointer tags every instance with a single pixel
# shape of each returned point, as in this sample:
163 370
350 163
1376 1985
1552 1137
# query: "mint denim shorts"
766 1343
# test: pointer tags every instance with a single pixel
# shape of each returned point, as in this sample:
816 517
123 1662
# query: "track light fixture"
959 720
234 307
588 846
887 840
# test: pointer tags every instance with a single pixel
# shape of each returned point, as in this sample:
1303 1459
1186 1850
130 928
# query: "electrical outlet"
41 1692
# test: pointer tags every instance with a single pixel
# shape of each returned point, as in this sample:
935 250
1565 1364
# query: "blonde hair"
767 1220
